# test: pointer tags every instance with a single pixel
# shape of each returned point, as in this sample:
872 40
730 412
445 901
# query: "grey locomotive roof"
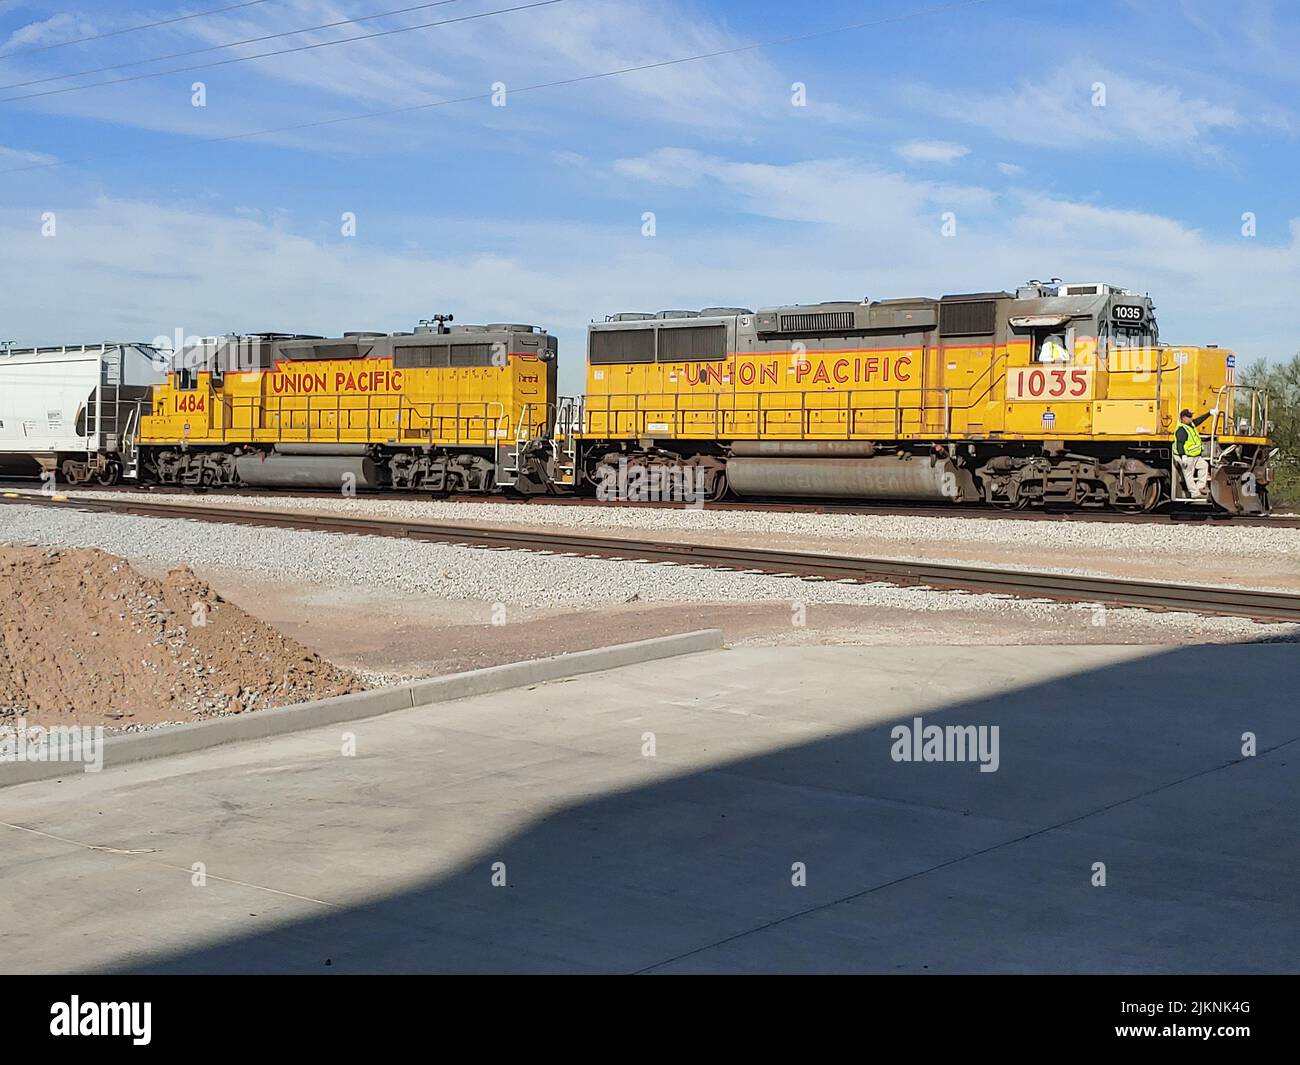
1075 306
660 316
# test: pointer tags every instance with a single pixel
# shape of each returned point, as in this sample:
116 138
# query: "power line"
131 29
219 47
659 65
279 51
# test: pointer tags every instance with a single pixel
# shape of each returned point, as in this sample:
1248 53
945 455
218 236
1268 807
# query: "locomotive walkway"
661 817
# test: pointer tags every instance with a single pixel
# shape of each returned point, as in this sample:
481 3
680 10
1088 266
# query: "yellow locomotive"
1055 393
443 408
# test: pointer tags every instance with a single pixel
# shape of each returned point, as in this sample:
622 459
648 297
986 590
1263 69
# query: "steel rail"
1036 584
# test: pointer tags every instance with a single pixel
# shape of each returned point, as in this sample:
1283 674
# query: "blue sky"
533 211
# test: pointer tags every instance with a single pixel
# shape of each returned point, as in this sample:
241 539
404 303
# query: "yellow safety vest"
1192 448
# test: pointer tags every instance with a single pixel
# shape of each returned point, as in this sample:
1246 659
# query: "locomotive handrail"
989 372
1258 406
461 419
639 411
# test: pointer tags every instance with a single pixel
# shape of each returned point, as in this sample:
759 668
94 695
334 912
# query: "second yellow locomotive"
441 409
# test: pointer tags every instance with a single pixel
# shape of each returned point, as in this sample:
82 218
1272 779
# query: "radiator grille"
693 343
968 319
622 345
817 322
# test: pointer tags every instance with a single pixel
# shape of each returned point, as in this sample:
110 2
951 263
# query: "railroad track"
1259 605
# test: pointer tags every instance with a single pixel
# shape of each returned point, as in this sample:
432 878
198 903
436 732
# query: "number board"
1039 383
1128 312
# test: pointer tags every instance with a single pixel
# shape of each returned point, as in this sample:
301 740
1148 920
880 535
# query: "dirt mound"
86 639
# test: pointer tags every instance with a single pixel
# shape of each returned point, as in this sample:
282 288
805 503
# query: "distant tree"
1282 381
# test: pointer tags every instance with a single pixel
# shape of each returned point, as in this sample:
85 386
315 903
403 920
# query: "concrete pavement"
656 818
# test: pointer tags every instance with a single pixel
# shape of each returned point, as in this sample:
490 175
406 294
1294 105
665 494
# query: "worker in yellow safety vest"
1053 349
1189 452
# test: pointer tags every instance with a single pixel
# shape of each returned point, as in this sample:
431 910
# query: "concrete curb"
184 739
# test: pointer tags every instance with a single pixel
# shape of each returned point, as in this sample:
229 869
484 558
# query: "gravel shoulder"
388 609
1216 554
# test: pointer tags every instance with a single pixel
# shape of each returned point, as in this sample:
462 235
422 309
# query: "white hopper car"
75 410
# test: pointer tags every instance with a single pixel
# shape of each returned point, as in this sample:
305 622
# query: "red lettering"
1058 383
801 370
338 381
872 366
747 372
715 373
898 368
1078 382
397 380
821 376
767 374
841 376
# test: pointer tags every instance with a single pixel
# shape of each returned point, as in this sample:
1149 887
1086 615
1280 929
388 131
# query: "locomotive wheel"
69 472
1149 501
1153 496
718 489
207 478
109 475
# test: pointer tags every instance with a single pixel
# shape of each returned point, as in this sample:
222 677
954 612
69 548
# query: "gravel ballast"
510 577
1042 536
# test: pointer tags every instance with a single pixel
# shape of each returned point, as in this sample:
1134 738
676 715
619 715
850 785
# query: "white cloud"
836 229
1011 169
52 30
17 157
724 95
1059 111
839 192
922 151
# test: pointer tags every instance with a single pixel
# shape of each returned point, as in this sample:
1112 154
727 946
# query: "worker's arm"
1207 414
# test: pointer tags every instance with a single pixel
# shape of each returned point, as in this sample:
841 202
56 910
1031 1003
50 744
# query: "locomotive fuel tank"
332 471
880 477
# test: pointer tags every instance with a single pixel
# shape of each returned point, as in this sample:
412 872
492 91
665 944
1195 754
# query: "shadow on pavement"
911 867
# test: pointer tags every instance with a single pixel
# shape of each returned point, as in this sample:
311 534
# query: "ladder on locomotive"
108 428
568 426
568 423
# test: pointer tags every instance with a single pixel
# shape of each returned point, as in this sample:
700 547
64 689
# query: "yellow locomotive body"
1055 393
439 409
